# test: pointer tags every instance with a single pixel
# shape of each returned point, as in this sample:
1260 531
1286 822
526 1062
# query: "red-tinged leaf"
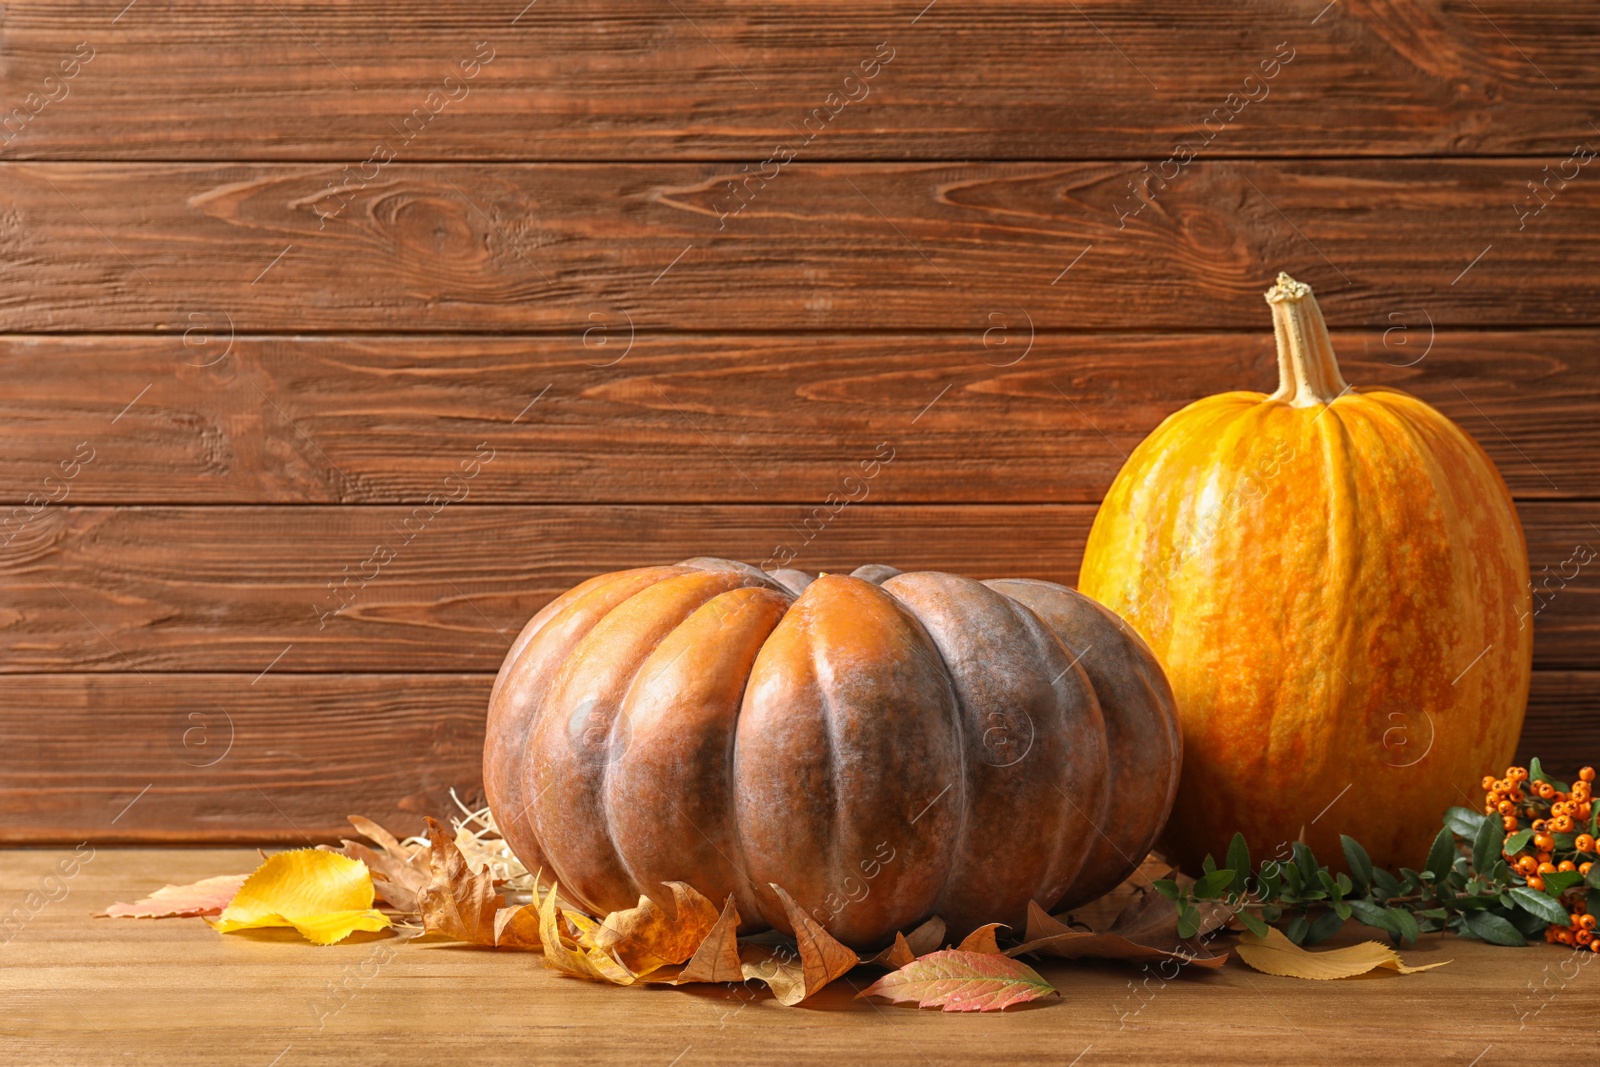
981 940
206 897
962 981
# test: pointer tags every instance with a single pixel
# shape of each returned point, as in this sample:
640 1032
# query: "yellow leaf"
1276 954
592 963
323 895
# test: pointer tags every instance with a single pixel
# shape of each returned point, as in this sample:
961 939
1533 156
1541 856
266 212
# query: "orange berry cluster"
1551 814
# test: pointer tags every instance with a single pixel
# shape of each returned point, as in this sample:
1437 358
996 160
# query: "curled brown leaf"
1147 930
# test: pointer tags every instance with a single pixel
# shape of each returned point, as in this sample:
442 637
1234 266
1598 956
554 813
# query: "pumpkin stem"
1308 373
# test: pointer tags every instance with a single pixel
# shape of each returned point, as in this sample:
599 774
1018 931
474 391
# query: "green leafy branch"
1466 886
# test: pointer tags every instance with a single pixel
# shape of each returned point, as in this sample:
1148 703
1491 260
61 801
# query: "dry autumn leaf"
517 928
205 897
981 940
1100 913
591 963
323 895
896 956
927 937
399 871
955 980
822 958
717 958
645 938
456 902
907 947
1276 954
1146 930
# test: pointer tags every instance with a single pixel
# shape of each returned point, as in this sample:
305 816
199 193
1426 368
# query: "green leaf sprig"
1482 878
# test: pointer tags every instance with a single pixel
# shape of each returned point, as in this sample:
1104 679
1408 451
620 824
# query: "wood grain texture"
1046 418
285 757
104 991
235 757
720 80
395 588
258 247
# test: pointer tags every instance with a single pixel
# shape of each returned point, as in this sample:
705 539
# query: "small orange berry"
1543 842
1545 790
1583 937
1565 937
1559 808
1562 825
1586 775
1488 782
1517 774
1585 809
1493 796
1566 865
1505 807
1508 823
1527 864
1517 795
1535 882
1584 843
1583 868
1538 824
1587 921
1547 868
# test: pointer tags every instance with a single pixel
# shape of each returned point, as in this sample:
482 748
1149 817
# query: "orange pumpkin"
1337 584
884 746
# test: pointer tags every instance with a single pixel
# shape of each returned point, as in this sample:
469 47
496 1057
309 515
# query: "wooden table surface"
84 990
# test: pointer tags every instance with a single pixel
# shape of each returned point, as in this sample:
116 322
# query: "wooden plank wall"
663 274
